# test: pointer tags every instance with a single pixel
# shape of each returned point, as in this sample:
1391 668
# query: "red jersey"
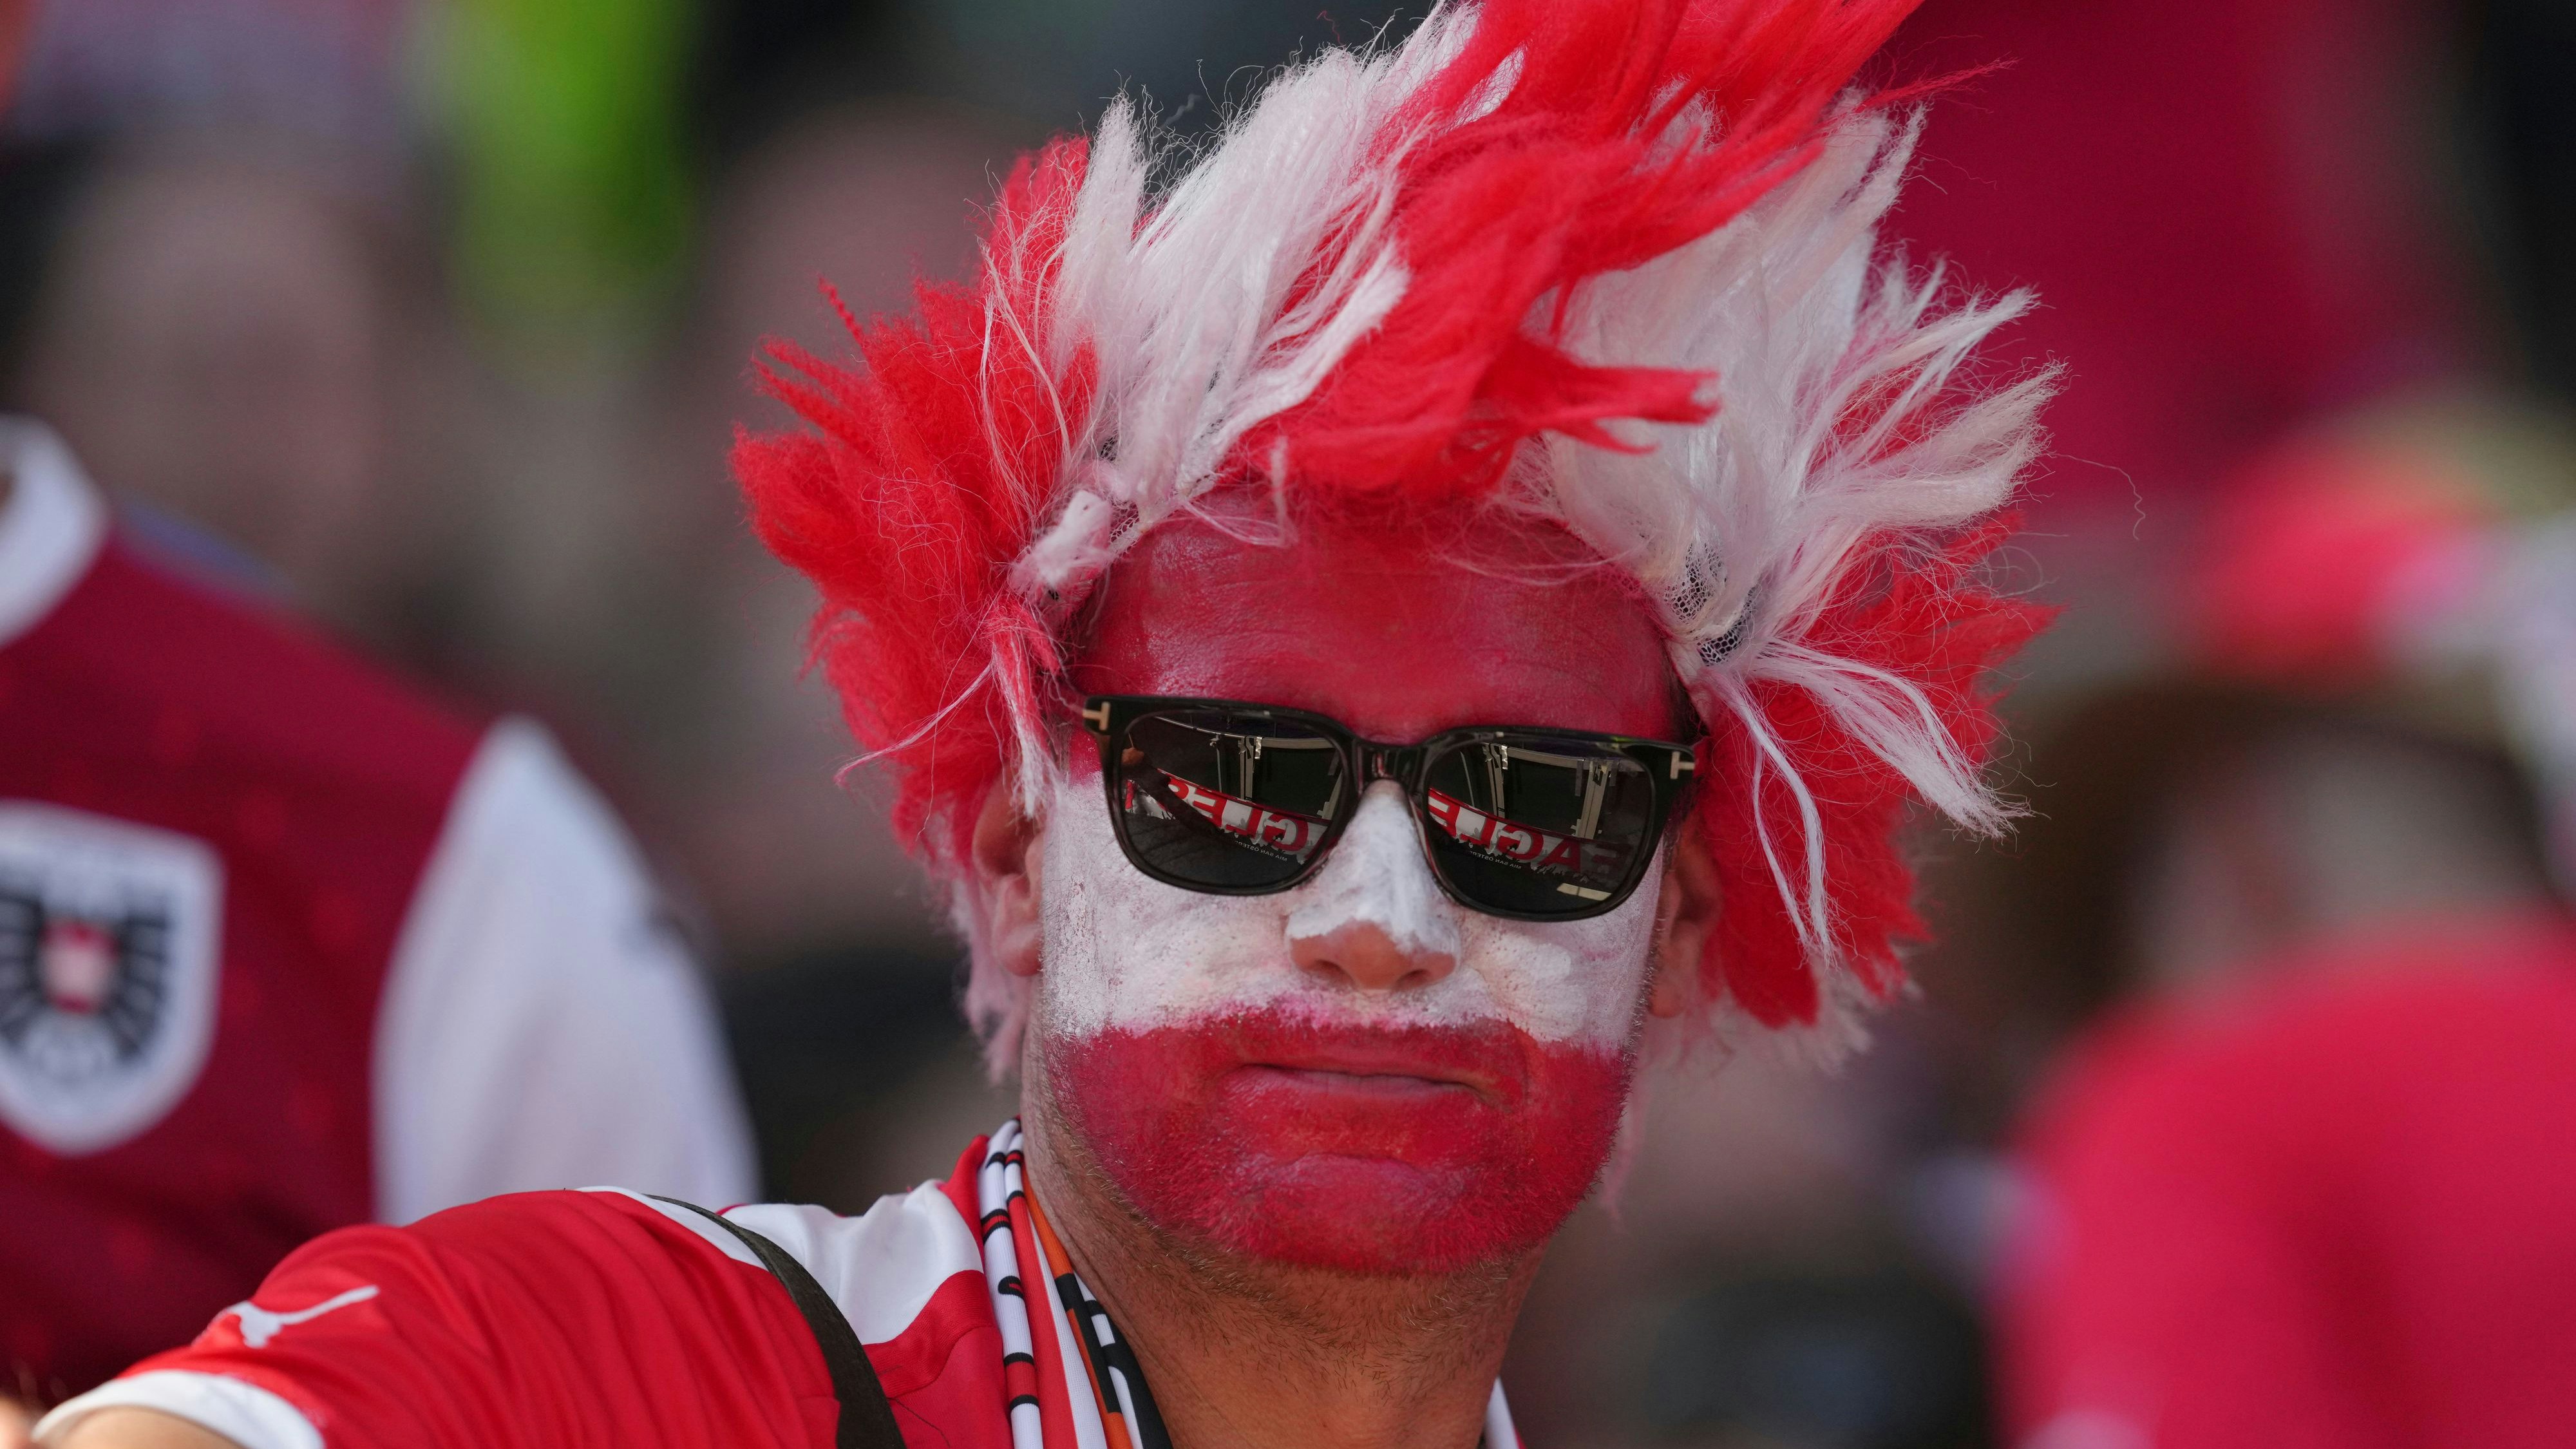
2334 1211
285 947
603 1317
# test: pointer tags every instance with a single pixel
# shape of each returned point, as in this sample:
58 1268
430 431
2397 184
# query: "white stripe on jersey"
881 1267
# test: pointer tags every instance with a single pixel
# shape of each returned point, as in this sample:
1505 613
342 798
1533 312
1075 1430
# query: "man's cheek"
1410 1180
1570 980
1124 950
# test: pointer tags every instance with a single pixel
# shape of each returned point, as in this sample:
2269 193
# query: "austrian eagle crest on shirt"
108 957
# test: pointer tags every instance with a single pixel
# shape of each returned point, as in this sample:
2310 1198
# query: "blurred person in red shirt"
2315 1188
2328 1210
285 944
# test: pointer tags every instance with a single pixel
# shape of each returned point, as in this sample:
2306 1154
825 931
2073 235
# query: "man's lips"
1364 1064
1353 1084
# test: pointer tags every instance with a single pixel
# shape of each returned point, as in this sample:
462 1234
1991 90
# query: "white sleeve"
542 1025
250 1416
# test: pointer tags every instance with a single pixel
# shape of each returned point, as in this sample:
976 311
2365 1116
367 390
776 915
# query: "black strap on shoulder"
867 1420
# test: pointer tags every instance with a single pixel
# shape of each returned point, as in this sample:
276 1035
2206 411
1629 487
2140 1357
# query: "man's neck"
1246 1354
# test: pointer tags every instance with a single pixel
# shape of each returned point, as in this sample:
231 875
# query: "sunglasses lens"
1537 825
1223 800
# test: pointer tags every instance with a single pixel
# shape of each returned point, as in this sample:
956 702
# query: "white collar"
50 529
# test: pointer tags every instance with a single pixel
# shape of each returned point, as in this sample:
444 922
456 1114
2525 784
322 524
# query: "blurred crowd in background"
433 319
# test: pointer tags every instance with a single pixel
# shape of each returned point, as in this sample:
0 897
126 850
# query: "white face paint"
1124 950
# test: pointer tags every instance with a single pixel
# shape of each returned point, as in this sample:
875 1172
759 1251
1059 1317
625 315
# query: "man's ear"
1685 915
1007 854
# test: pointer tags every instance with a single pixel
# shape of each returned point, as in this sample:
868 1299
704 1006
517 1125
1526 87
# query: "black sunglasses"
1246 799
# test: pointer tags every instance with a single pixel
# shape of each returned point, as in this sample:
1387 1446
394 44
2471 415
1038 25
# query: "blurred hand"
15 1421
138 1429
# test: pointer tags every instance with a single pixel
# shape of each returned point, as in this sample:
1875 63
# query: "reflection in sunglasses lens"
1234 802
1518 821
1537 825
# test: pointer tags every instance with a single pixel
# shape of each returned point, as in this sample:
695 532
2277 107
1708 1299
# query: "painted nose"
1369 957
1374 917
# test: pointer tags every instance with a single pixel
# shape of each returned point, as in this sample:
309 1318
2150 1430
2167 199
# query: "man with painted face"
1444 599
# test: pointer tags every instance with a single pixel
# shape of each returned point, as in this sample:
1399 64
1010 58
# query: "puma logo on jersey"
258 1325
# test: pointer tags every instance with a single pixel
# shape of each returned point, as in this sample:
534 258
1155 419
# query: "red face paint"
1330 1145
1488 621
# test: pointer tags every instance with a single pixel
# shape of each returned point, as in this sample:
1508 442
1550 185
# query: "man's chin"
1361 1150
1375 1216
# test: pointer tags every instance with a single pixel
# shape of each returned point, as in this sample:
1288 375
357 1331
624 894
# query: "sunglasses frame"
1670 769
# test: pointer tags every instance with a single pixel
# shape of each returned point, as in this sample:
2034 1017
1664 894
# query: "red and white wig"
1612 266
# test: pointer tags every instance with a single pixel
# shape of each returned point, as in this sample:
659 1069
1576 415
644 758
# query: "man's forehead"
1396 627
